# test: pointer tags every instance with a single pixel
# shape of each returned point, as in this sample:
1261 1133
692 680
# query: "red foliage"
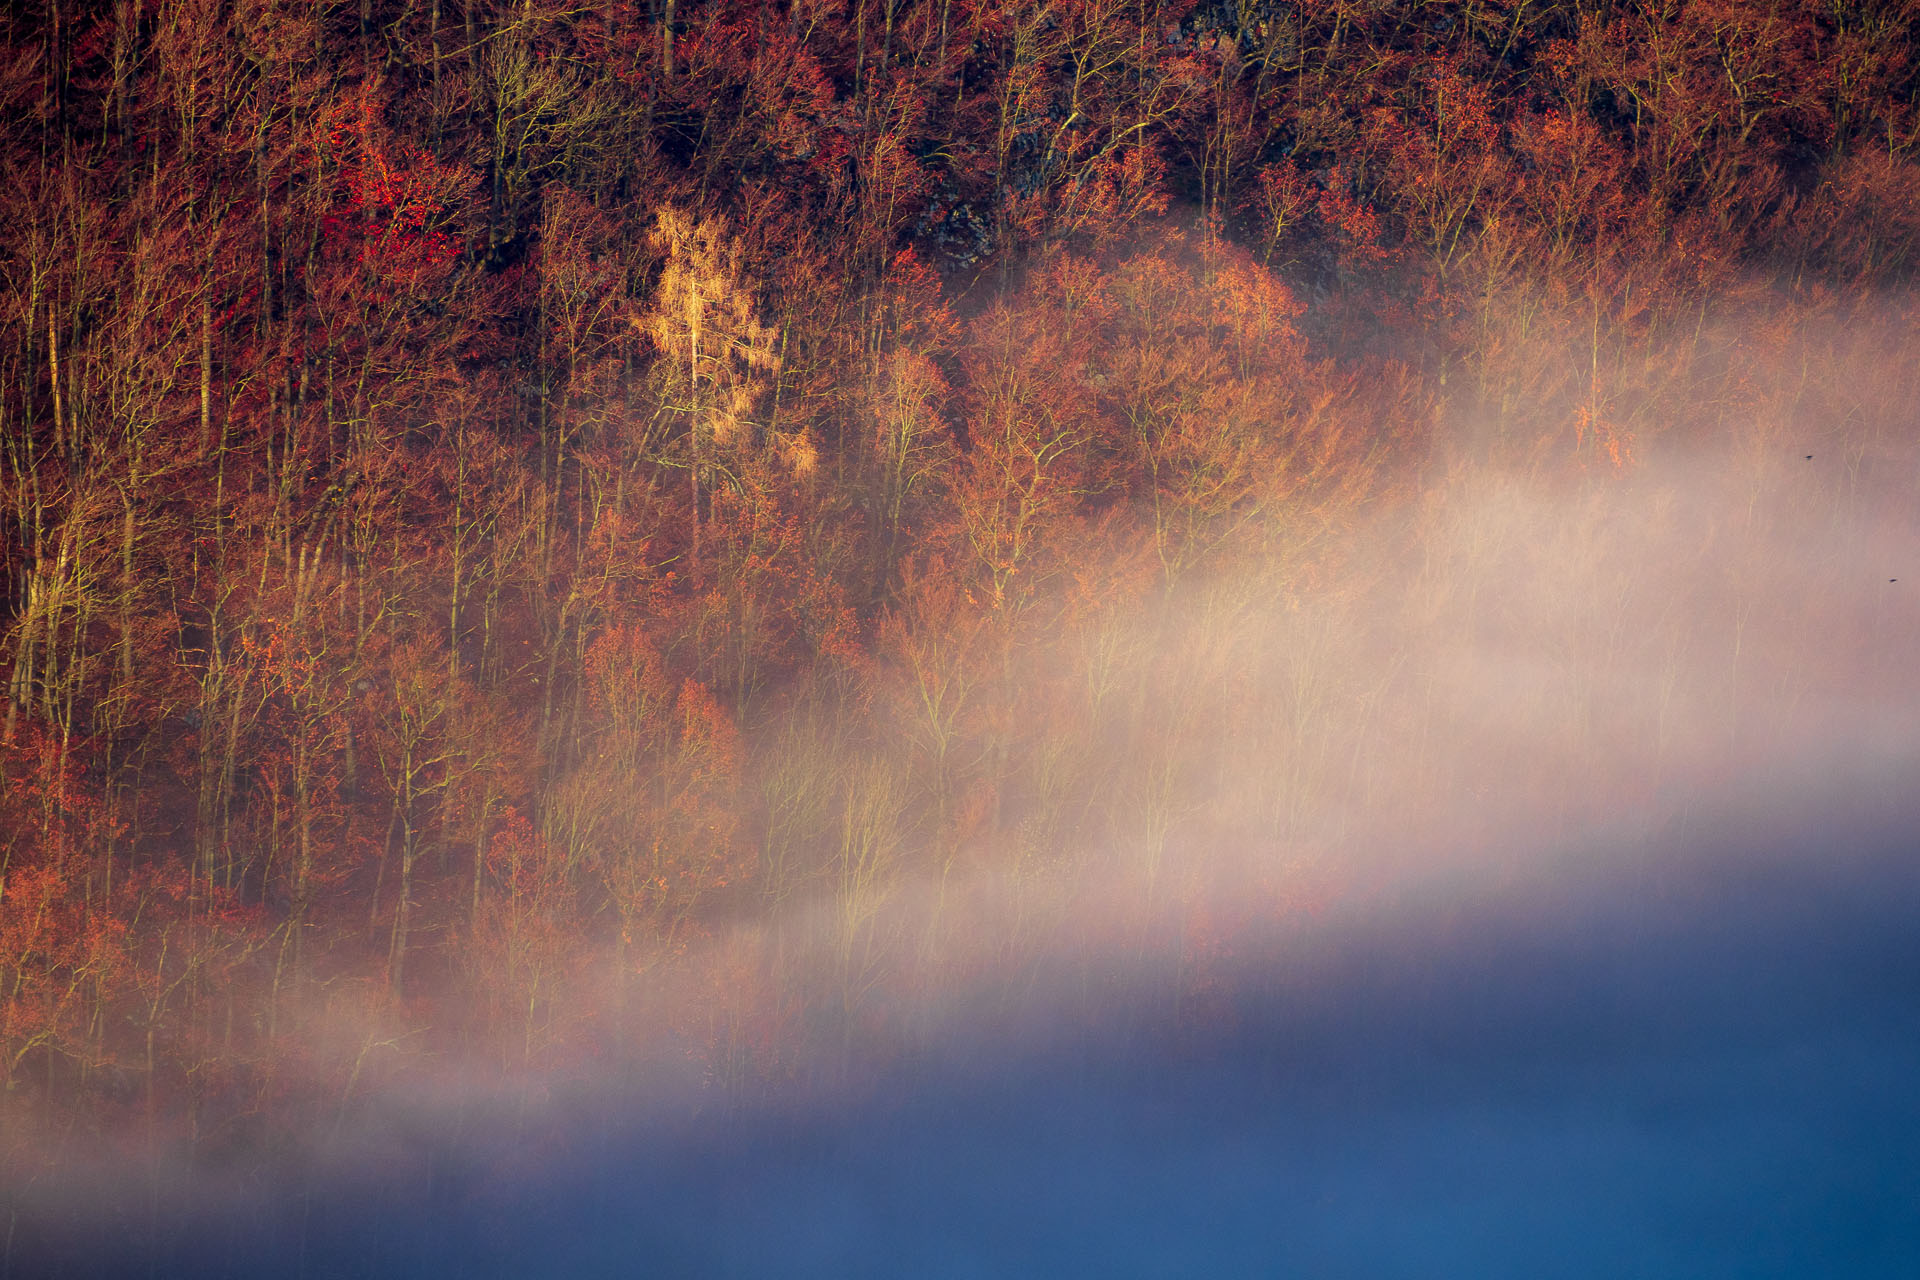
398 208
442 453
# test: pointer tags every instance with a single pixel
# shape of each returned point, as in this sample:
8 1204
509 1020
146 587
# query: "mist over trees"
496 499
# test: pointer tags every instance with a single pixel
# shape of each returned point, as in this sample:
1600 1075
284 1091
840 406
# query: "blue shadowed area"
1704 1067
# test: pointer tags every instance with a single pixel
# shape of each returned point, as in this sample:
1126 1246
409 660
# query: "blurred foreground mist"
1698 1062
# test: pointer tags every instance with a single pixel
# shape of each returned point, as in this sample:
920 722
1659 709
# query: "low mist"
1519 883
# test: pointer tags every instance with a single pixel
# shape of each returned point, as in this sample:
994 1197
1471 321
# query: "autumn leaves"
487 490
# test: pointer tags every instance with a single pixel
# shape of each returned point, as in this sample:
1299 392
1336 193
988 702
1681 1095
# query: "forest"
530 530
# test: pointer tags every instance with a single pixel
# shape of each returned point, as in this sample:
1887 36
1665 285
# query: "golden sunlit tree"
716 357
